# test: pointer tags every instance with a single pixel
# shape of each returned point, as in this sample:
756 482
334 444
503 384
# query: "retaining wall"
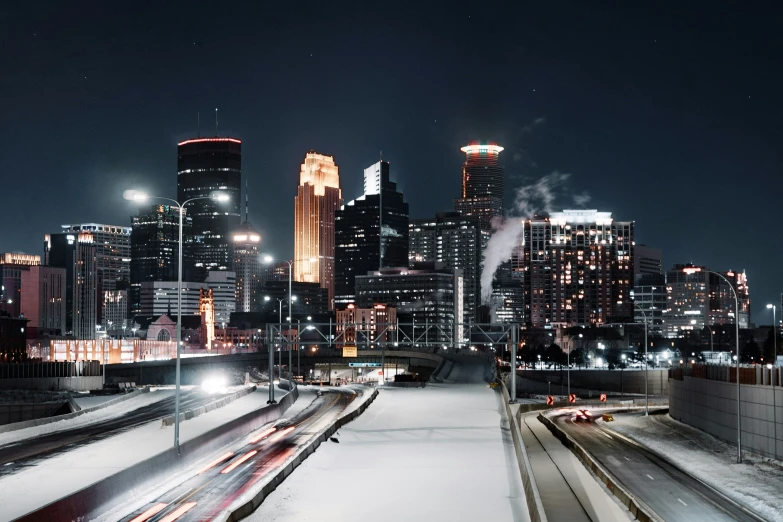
628 381
53 383
93 500
711 406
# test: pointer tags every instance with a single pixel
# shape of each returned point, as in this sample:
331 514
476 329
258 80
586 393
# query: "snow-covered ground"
756 483
109 412
436 453
73 470
90 401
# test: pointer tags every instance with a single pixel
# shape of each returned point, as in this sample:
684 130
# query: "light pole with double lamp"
140 197
690 269
568 364
268 260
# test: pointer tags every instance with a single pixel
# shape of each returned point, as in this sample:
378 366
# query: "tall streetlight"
774 333
140 197
568 365
268 260
690 269
646 362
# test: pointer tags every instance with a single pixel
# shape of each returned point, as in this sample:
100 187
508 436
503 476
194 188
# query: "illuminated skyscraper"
248 267
317 199
482 184
204 166
77 253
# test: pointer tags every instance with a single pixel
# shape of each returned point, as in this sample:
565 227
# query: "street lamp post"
568 364
646 362
139 197
690 269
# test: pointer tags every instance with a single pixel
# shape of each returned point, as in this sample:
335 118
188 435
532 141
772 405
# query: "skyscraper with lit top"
205 166
317 199
482 184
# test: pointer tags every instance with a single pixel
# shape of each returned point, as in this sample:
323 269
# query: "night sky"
669 115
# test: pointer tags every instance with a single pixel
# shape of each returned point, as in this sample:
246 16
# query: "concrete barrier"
627 381
535 506
251 505
48 420
89 502
640 510
201 410
53 383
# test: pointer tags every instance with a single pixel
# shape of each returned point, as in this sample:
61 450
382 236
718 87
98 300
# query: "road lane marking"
174 515
650 477
151 512
215 462
605 435
681 502
237 462
626 458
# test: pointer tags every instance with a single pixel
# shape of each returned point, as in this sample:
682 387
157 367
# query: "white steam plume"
530 200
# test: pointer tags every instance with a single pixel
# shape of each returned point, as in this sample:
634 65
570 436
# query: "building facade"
155 249
12 268
722 304
77 253
483 184
43 300
432 296
317 200
206 166
688 300
309 299
365 327
370 232
454 241
248 268
160 297
577 268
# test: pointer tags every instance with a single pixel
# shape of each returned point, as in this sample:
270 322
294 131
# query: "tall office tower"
577 267
482 185
12 267
371 232
647 261
722 305
317 199
206 166
452 241
155 249
77 254
688 300
649 287
43 300
248 268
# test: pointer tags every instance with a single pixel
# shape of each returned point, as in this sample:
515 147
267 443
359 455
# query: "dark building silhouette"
206 166
155 249
371 232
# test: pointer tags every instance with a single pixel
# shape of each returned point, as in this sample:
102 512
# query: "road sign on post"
603 397
550 400
572 398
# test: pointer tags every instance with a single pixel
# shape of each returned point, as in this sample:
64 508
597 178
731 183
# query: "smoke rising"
530 200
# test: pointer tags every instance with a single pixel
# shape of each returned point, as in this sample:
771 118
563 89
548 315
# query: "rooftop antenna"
246 217
198 124
216 122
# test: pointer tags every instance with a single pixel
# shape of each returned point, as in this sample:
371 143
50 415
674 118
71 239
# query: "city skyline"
675 109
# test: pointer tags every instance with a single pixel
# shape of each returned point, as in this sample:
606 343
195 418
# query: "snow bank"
433 453
756 483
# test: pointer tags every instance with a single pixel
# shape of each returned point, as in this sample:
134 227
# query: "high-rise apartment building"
77 253
370 232
722 305
248 268
12 267
206 166
453 241
482 185
155 249
577 268
43 300
318 198
112 261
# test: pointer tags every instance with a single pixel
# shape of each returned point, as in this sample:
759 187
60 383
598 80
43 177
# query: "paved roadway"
28 452
217 486
671 494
